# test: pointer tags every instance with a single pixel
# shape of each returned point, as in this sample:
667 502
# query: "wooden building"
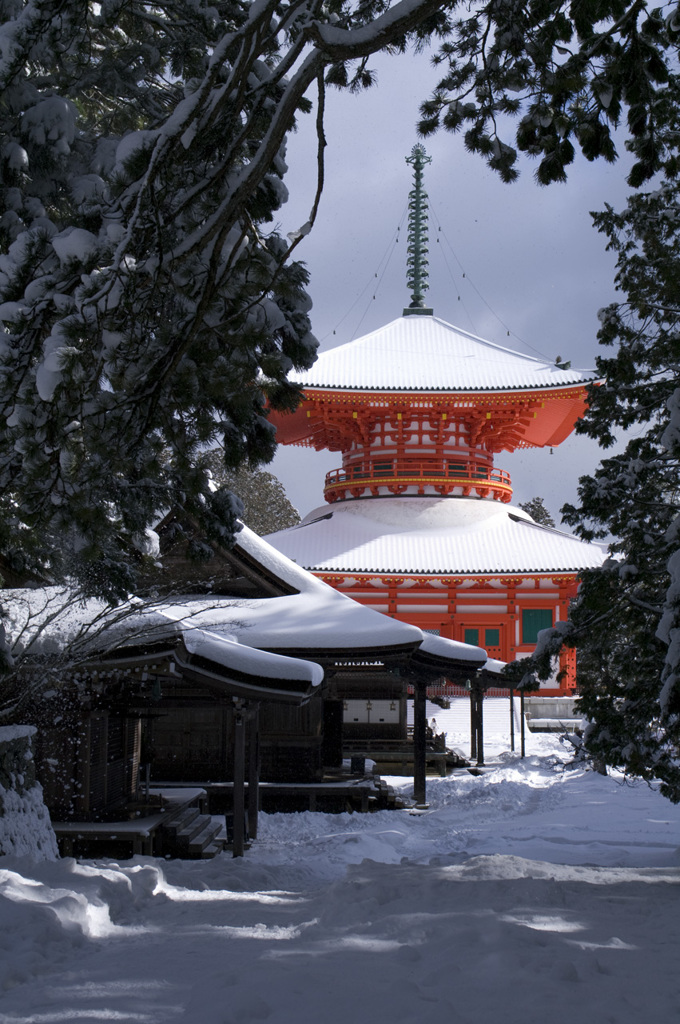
163 691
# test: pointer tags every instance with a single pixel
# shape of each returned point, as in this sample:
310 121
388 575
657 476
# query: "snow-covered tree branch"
149 306
566 75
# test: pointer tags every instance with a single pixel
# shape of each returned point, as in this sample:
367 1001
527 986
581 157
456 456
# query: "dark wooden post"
479 701
419 741
239 778
521 721
512 719
332 732
254 770
84 772
473 721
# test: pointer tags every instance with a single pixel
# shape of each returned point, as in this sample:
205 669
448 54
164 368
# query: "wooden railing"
445 475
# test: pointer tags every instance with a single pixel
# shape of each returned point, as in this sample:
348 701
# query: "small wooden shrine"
419 523
240 670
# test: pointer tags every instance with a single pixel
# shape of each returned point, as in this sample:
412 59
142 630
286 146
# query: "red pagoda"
419 523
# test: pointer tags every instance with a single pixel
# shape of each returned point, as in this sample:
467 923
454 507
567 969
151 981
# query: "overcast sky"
533 263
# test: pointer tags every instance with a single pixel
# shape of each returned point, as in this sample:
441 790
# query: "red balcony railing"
398 475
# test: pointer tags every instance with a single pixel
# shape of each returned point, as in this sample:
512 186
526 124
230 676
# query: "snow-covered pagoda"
419 523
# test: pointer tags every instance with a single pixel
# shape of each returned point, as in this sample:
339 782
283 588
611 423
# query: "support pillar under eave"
419 741
512 719
239 778
522 724
480 722
477 722
253 770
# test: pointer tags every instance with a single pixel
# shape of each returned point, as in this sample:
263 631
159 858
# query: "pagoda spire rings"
417 262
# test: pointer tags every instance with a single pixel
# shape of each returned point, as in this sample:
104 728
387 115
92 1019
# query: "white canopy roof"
239 657
431 536
424 353
315 618
235 632
442 647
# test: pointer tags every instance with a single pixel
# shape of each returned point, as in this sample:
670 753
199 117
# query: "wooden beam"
239 777
419 741
479 700
254 770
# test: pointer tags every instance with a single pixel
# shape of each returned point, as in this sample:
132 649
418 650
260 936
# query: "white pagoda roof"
431 536
424 353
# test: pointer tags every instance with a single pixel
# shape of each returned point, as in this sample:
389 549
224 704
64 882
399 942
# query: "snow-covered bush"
25 828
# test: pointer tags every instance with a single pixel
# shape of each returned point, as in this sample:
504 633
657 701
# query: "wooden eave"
263 582
335 578
338 658
434 666
231 682
175 660
535 417
136 655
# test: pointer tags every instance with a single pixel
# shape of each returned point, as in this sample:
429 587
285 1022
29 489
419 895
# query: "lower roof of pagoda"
430 536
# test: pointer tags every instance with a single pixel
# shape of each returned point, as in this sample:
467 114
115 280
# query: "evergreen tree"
625 622
627 619
567 74
266 507
149 307
537 510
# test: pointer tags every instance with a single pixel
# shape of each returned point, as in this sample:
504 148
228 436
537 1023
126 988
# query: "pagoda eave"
342 578
407 396
501 420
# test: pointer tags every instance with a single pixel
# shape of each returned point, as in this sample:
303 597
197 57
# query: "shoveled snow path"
528 893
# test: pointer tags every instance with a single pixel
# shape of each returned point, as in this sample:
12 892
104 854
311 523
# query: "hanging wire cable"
508 331
351 308
455 284
378 275
380 279
372 298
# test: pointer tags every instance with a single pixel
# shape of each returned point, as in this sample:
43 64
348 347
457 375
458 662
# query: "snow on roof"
431 536
235 630
424 353
315 618
495 666
233 655
442 647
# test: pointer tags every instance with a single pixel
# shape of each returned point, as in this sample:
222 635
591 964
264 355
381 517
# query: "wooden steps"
190 835
177 828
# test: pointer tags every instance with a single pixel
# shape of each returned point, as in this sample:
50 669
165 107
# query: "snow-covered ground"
532 893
